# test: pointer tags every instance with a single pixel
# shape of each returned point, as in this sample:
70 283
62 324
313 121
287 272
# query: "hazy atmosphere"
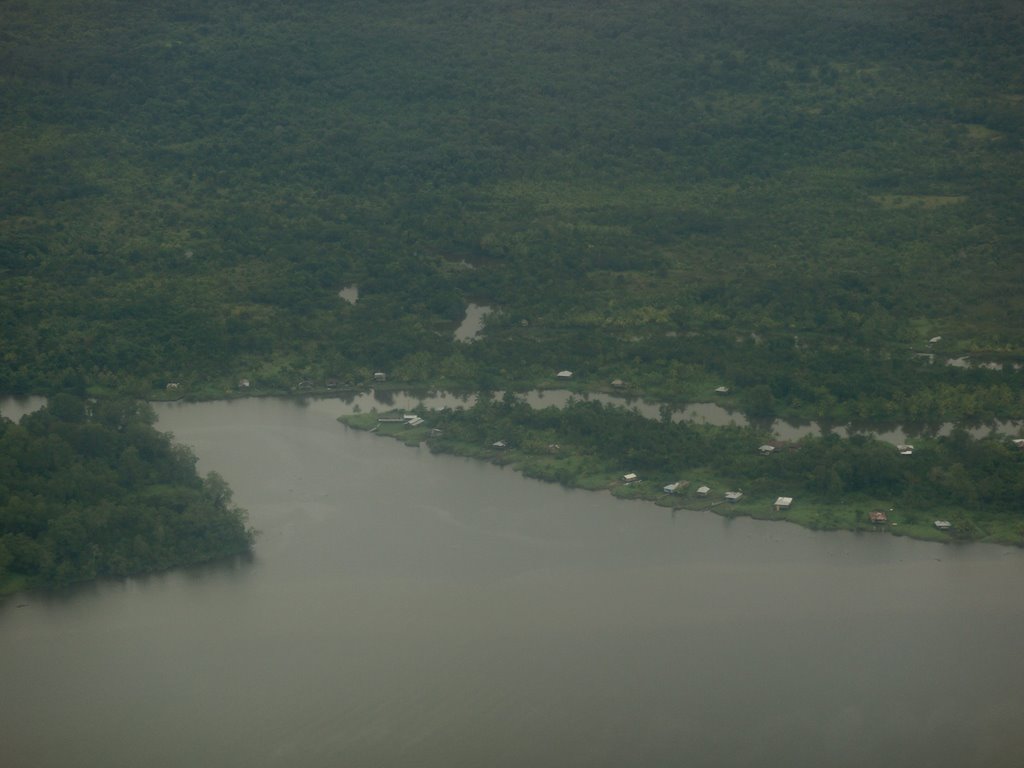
511 383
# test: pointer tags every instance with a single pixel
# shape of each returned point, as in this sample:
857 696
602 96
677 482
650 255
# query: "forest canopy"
787 197
90 489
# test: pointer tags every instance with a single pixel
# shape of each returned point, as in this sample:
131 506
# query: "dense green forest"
786 197
977 484
92 489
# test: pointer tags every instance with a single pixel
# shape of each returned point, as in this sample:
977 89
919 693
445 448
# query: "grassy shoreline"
535 459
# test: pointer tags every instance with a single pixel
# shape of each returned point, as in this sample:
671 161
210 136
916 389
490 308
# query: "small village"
690 493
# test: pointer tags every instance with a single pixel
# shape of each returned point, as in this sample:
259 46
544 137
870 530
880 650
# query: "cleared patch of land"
918 201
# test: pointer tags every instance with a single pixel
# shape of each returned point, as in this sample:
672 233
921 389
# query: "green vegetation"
784 196
91 490
976 484
815 203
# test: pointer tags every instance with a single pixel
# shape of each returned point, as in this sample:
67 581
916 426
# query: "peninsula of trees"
92 489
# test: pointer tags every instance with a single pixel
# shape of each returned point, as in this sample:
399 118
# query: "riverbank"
837 478
752 490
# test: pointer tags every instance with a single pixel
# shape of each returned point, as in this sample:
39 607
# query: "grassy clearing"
918 201
566 197
981 132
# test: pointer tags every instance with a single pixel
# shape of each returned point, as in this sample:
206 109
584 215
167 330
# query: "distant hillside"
786 197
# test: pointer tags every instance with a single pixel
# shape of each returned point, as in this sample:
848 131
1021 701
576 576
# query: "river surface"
404 609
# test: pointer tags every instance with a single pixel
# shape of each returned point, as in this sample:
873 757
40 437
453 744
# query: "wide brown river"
404 609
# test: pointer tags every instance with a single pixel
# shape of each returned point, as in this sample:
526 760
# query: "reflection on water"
14 408
384 397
